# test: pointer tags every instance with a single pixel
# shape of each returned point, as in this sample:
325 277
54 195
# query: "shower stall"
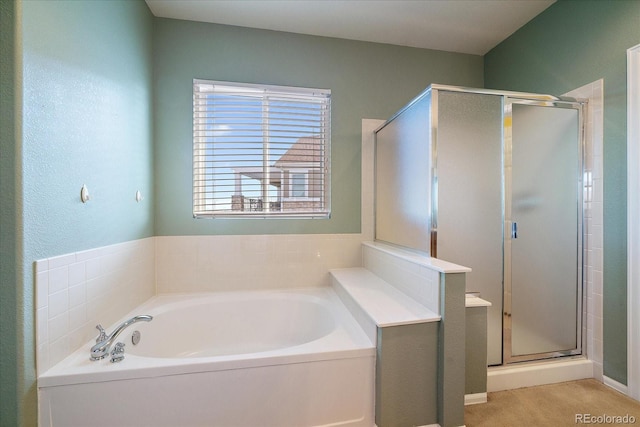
495 181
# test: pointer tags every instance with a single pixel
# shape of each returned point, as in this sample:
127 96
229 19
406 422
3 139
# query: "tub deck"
326 381
347 340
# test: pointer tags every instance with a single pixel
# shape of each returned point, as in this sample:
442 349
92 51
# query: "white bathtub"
261 358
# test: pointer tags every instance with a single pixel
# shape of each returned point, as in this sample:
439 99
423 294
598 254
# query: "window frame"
204 93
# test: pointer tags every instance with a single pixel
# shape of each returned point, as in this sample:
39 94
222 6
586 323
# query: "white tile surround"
224 263
76 291
593 222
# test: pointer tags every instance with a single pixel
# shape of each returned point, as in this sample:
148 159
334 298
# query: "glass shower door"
543 223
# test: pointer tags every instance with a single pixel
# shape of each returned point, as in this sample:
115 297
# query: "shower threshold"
528 374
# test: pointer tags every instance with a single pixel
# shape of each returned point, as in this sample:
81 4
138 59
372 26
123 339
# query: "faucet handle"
117 354
103 334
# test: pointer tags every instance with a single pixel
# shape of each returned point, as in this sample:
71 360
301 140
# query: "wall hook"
84 194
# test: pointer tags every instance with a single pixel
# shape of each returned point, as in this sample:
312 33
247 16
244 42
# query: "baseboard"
615 385
475 398
539 373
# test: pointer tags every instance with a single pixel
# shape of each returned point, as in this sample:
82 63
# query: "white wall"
633 219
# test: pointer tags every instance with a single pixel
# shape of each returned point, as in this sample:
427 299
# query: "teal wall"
367 80
101 95
83 106
8 219
570 44
88 114
81 102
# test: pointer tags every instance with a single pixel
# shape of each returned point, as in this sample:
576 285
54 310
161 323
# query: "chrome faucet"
104 341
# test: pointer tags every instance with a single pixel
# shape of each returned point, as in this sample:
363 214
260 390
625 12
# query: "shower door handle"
514 230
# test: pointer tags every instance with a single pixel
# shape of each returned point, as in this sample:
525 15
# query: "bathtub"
261 358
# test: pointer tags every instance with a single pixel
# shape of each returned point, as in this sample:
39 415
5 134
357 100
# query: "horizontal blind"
260 151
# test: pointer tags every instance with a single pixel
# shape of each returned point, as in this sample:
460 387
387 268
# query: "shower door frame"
541 99
581 188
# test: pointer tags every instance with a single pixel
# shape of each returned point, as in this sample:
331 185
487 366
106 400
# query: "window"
260 151
299 185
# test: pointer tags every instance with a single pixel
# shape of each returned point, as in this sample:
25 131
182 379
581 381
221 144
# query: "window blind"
260 151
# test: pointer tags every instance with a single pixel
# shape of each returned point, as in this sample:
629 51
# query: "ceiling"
465 26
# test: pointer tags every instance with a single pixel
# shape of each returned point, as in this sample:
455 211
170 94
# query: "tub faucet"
104 341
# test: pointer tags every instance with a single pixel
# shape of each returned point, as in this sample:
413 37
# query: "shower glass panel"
492 180
403 176
469 176
543 212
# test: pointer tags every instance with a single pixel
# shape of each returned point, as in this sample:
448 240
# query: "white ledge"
420 259
383 303
474 301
